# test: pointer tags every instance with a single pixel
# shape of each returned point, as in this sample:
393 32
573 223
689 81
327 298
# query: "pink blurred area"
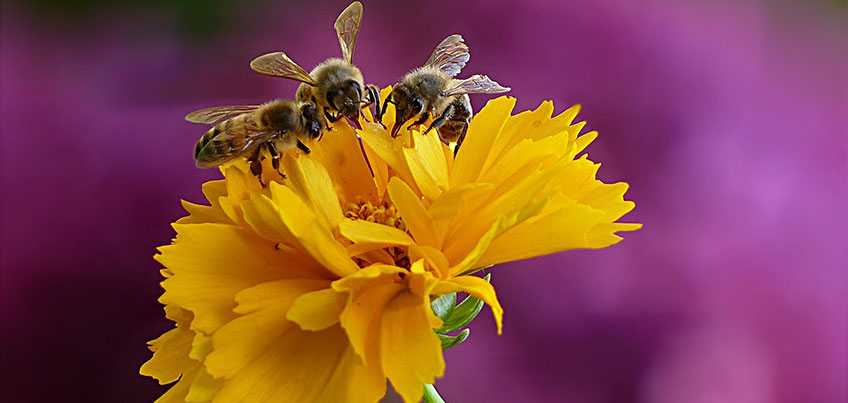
727 118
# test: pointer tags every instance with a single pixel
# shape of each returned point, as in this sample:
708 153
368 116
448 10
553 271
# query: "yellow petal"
477 287
523 154
353 382
603 235
313 237
469 261
434 257
379 168
450 203
376 256
211 264
417 266
517 128
580 185
178 392
481 135
582 142
201 346
413 213
203 388
542 125
241 341
170 356
263 216
515 199
213 190
200 214
317 310
298 367
294 211
179 315
563 230
313 184
340 153
427 163
410 350
370 290
358 249
240 184
389 150
327 250
447 206
361 231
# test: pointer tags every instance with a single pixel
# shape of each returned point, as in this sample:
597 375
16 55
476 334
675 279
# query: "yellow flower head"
318 286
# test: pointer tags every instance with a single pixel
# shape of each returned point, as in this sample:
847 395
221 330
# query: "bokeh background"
727 117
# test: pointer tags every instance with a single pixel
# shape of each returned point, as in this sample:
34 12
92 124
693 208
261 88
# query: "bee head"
312 123
408 105
346 98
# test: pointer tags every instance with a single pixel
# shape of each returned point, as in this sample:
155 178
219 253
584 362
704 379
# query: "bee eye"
417 104
356 86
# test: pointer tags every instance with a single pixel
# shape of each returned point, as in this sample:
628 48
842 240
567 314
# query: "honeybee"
431 91
247 130
336 86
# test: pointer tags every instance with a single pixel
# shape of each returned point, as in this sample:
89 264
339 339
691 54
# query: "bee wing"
216 114
239 136
347 28
450 56
280 65
476 84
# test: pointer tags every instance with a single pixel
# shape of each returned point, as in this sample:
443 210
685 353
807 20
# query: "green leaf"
450 341
464 313
443 306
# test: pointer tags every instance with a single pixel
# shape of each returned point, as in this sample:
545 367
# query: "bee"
247 130
336 86
431 91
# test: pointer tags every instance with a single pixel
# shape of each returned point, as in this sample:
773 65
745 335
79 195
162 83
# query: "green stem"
431 396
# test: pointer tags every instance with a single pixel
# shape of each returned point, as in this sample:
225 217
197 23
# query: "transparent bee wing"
216 114
278 64
347 28
476 84
235 137
450 56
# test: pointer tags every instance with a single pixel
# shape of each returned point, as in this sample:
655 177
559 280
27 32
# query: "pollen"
383 213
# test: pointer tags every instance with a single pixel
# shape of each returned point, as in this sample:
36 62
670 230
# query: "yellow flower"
318 286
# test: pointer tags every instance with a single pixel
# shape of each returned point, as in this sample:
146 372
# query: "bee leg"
330 117
441 120
256 164
459 140
275 155
373 98
380 112
303 147
420 121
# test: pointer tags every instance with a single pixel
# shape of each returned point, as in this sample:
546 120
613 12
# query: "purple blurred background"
728 119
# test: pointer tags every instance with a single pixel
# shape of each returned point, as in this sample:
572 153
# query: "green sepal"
464 313
443 306
450 341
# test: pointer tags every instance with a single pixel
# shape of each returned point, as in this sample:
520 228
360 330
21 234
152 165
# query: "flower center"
383 213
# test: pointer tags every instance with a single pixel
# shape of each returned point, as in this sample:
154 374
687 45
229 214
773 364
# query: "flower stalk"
431 395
